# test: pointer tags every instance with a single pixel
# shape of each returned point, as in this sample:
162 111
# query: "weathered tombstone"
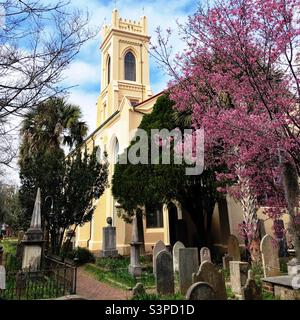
209 274
33 239
176 248
293 267
205 255
109 240
226 259
159 246
233 248
1 255
238 275
251 291
164 273
2 278
270 257
200 291
138 290
188 264
20 236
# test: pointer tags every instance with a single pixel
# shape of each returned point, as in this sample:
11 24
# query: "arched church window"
130 67
116 151
108 71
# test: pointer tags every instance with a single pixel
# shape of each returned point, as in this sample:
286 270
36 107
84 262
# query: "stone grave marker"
138 290
238 275
109 240
188 264
251 291
233 248
164 273
200 291
208 273
205 255
226 259
159 246
270 257
2 278
176 248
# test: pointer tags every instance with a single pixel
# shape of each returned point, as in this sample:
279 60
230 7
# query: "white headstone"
159 246
176 248
2 278
205 255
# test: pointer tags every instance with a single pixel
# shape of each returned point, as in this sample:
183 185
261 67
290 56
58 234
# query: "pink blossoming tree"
239 77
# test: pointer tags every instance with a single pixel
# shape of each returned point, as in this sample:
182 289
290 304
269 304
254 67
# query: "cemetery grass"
114 271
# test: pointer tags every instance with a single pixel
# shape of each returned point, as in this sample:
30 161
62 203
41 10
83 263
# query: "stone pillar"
109 248
33 239
1 255
135 268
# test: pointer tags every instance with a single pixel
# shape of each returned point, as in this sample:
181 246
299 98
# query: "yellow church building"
125 97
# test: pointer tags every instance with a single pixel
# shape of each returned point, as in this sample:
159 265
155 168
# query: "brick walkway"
91 289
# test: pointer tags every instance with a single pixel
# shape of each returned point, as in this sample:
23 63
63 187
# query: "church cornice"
132 43
126 33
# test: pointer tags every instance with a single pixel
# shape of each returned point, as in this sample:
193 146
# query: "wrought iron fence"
56 279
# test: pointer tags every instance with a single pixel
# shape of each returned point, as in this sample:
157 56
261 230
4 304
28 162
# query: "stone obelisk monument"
33 239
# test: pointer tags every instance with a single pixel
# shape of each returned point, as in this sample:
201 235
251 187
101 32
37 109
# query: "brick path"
92 289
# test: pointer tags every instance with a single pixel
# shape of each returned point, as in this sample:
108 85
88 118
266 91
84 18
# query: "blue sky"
85 70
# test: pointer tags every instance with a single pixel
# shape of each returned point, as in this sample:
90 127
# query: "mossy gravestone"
200 291
208 273
164 273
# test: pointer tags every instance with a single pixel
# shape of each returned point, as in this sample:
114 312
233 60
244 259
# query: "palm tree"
45 130
52 124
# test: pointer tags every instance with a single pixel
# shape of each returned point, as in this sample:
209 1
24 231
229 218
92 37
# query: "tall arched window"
116 151
130 68
108 71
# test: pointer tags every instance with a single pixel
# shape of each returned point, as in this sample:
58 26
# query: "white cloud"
87 102
82 73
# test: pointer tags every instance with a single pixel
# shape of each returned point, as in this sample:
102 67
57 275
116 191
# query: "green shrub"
83 255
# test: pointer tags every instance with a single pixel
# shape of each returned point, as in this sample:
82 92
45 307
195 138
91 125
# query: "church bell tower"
125 65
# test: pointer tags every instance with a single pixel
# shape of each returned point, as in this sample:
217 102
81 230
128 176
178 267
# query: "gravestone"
2 278
1 255
138 290
226 259
20 236
251 291
205 255
293 267
238 275
109 240
209 274
164 273
270 257
176 248
159 246
200 291
188 264
233 248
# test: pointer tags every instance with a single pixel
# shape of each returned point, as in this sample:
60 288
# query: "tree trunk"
291 188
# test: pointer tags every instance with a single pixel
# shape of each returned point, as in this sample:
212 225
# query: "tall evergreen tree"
151 185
